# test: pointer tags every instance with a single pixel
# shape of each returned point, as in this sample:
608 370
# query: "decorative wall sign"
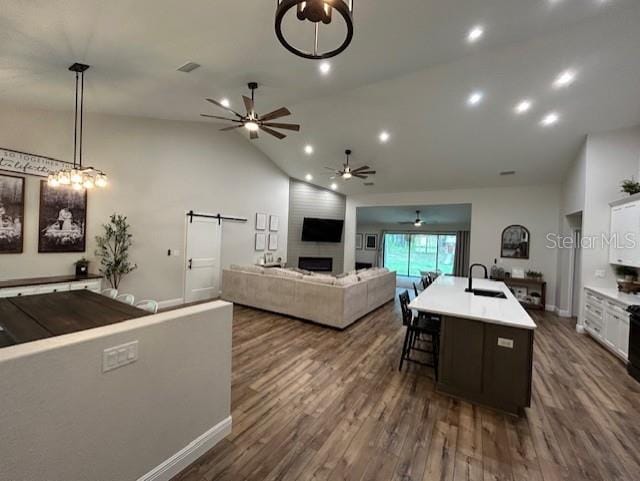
261 241
274 223
273 242
30 164
11 214
261 221
359 242
515 242
63 219
371 242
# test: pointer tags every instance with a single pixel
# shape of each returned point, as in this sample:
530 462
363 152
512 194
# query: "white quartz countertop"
447 296
614 294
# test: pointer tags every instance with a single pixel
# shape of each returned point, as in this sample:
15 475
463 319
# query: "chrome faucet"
486 275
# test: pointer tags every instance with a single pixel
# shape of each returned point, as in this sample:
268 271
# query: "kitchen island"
486 342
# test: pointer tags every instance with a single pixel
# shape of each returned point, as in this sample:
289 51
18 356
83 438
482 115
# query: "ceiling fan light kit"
251 120
316 12
347 172
78 177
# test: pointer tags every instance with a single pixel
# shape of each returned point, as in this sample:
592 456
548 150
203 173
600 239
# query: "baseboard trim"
563 312
187 455
171 303
550 307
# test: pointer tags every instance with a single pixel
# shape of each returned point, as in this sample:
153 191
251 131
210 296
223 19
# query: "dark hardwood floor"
311 403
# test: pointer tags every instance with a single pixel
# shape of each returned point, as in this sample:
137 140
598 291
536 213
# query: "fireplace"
316 264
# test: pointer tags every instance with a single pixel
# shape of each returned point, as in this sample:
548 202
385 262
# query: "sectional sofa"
332 301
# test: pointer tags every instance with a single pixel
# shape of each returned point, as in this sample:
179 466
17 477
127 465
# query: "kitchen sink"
489 293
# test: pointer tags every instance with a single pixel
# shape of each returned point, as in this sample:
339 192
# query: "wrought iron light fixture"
78 177
316 12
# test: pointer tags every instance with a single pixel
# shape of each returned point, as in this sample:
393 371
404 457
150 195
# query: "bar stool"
426 325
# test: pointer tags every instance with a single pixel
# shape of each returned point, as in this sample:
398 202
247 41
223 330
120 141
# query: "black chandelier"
316 12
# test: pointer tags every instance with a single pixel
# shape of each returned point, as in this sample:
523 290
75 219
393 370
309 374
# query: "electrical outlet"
175 252
118 356
508 343
600 273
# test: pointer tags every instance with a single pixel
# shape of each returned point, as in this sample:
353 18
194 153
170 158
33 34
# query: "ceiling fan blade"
364 167
231 128
219 118
276 114
359 176
333 169
272 132
407 223
253 135
366 172
283 126
215 102
332 177
248 104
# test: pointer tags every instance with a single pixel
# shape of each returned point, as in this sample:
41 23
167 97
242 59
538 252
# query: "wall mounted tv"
322 230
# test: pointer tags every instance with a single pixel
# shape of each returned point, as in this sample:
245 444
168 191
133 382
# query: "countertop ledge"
447 296
615 295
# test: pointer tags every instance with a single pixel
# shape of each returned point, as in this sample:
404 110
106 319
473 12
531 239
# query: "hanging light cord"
81 114
75 126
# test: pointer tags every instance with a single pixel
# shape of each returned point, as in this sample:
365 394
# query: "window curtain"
380 257
461 261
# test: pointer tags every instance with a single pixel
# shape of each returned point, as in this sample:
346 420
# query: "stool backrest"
407 316
415 289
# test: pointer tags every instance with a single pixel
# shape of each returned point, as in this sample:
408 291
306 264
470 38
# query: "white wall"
158 171
64 419
371 256
492 209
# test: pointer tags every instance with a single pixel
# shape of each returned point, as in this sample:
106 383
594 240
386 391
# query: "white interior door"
202 278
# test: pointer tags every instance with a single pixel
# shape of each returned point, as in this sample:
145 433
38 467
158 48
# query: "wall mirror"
515 242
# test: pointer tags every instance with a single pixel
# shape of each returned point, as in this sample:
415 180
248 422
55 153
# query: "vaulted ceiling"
409 72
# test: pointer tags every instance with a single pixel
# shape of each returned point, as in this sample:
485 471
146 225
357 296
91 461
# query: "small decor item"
515 242
371 242
273 242
261 241
517 273
113 250
359 241
261 221
274 223
629 274
630 186
63 218
11 214
318 13
534 274
78 176
82 267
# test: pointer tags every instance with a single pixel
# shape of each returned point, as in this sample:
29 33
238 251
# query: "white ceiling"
408 71
458 214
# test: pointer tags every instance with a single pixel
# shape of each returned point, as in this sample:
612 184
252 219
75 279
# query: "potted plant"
534 274
82 267
630 186
113 250
629 274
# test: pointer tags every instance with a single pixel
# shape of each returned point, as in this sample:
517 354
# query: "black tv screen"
322 230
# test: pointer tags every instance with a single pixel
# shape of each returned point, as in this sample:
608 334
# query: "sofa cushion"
369 274
291 274
320 279
253 269
346 281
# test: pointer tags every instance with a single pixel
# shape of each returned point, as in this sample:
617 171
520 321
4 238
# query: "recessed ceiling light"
475 34
334 186
308 177
384 136
549 119
325 68
565 79
475 98
308 149
523 106
225 103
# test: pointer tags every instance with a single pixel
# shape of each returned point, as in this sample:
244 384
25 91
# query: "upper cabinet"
624 247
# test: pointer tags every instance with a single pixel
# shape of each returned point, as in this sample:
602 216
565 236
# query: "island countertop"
447 296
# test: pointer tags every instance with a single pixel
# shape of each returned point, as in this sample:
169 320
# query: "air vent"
508 172
188 67
369 184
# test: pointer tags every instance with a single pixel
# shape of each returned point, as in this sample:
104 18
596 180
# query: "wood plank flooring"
311 403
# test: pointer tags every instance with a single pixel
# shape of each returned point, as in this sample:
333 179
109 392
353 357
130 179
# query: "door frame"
184 256
576 234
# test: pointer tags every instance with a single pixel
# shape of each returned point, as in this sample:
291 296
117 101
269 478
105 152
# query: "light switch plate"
600 273
508 343
118 356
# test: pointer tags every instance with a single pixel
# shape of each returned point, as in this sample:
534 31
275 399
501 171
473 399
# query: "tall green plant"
113 250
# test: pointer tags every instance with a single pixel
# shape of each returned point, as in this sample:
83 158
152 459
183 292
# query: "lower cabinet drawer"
594 311
48 288
91 285
593 325
18 291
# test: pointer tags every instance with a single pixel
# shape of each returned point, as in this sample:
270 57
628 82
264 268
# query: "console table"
45 285
531 285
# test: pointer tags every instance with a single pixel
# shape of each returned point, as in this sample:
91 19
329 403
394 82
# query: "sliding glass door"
409 254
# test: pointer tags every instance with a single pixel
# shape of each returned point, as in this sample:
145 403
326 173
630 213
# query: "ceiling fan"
417 223
347 172
252 121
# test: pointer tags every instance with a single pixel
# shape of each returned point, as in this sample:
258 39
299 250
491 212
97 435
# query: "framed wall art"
62 219
11 214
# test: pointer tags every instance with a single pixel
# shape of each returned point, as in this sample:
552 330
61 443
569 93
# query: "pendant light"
78 177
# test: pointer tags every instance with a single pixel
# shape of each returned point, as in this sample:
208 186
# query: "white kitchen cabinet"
623 339
606 319
625 233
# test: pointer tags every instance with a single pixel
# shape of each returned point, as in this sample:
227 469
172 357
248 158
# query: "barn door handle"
190 263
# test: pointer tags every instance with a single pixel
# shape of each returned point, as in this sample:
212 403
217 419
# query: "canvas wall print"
63 219
11 214
261 221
